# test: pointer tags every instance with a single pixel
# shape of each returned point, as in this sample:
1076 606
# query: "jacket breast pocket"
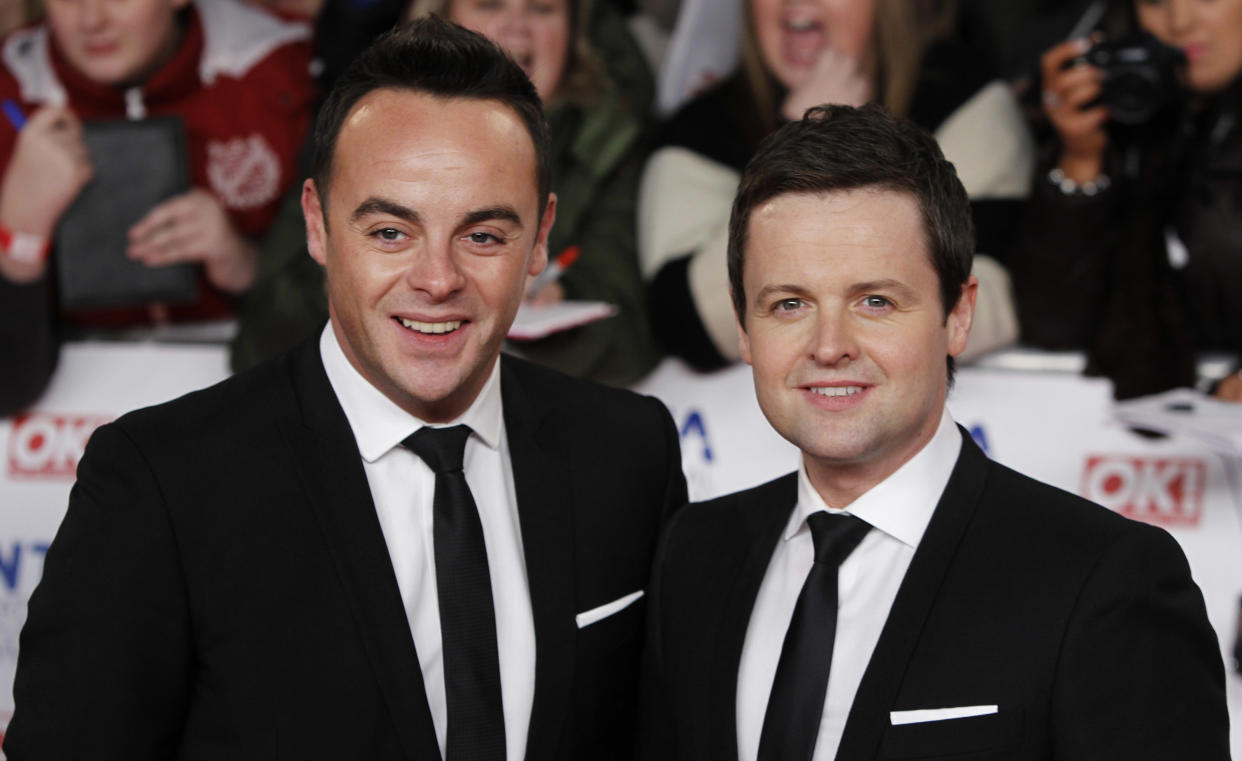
995 733
605 686
619 629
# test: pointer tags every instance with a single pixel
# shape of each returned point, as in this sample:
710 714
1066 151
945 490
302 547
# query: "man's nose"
435 271
834 339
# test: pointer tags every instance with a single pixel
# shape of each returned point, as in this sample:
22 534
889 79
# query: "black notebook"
137 165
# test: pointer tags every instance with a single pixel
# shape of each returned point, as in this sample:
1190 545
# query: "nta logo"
49 446
1166 491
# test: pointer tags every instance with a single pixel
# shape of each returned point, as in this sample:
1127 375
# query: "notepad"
543 320
137 164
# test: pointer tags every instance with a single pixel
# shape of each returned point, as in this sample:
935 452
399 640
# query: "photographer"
1132 247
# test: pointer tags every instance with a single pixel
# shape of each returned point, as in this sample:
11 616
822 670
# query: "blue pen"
13 113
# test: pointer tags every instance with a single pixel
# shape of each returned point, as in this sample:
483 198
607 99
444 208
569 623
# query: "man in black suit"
392 543
901 596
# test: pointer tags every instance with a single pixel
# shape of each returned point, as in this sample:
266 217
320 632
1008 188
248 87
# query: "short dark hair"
439 58
838 148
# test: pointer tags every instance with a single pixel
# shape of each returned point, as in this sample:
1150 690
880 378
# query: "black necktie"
476 722
796 704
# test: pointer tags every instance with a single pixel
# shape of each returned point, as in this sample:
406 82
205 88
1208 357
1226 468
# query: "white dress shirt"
899 508
403 486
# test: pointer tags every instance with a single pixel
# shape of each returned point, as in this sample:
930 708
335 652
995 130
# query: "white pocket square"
588 617
938 714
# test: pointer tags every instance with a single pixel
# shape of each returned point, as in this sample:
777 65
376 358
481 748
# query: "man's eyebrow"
787 289
857 289
377 205
883 284
493 213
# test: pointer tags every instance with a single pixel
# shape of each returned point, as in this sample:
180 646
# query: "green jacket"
595 176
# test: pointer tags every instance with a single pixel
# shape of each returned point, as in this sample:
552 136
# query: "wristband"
26 248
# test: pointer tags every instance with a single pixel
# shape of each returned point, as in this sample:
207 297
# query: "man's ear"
316 229
539 257
962 317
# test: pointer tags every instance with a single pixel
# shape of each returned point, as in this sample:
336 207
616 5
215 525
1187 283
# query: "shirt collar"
900 505
379 424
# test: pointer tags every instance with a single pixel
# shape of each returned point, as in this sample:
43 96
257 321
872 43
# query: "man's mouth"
432 328
836 390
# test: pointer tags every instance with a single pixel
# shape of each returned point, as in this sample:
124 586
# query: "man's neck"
839 483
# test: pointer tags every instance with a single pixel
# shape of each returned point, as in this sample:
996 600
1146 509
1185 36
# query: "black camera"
1141 77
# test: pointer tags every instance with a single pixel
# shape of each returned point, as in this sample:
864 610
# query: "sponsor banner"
48 445
94 383
1054 427
726 443
1165 491
21 565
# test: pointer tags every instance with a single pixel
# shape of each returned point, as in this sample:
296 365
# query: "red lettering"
48 445
1164 491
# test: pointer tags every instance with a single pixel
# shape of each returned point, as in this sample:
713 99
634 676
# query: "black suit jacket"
1083 627
220 587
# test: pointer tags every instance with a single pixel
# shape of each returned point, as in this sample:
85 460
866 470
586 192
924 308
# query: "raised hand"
1068 87
49 167
194 227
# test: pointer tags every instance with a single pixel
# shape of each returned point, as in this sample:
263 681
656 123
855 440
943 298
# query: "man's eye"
788 305
388 234
876 302
482 238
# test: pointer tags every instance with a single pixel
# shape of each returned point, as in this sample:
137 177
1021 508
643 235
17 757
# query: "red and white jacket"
239 80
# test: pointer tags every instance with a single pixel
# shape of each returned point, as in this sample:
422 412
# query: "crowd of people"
1101 227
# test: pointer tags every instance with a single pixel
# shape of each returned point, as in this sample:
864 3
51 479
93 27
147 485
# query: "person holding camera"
1132 247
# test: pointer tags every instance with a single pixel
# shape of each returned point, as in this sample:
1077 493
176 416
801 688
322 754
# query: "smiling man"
392 543
901 596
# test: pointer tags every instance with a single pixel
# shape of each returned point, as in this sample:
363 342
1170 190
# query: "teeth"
837 390
431 327
803 25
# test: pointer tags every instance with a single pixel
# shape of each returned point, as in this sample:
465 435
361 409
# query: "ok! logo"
49 445
1166 491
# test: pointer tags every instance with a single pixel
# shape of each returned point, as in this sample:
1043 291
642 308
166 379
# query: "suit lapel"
542 470
327 459
864 729
761 523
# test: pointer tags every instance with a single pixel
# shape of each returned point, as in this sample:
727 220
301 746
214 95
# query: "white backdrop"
1055 427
